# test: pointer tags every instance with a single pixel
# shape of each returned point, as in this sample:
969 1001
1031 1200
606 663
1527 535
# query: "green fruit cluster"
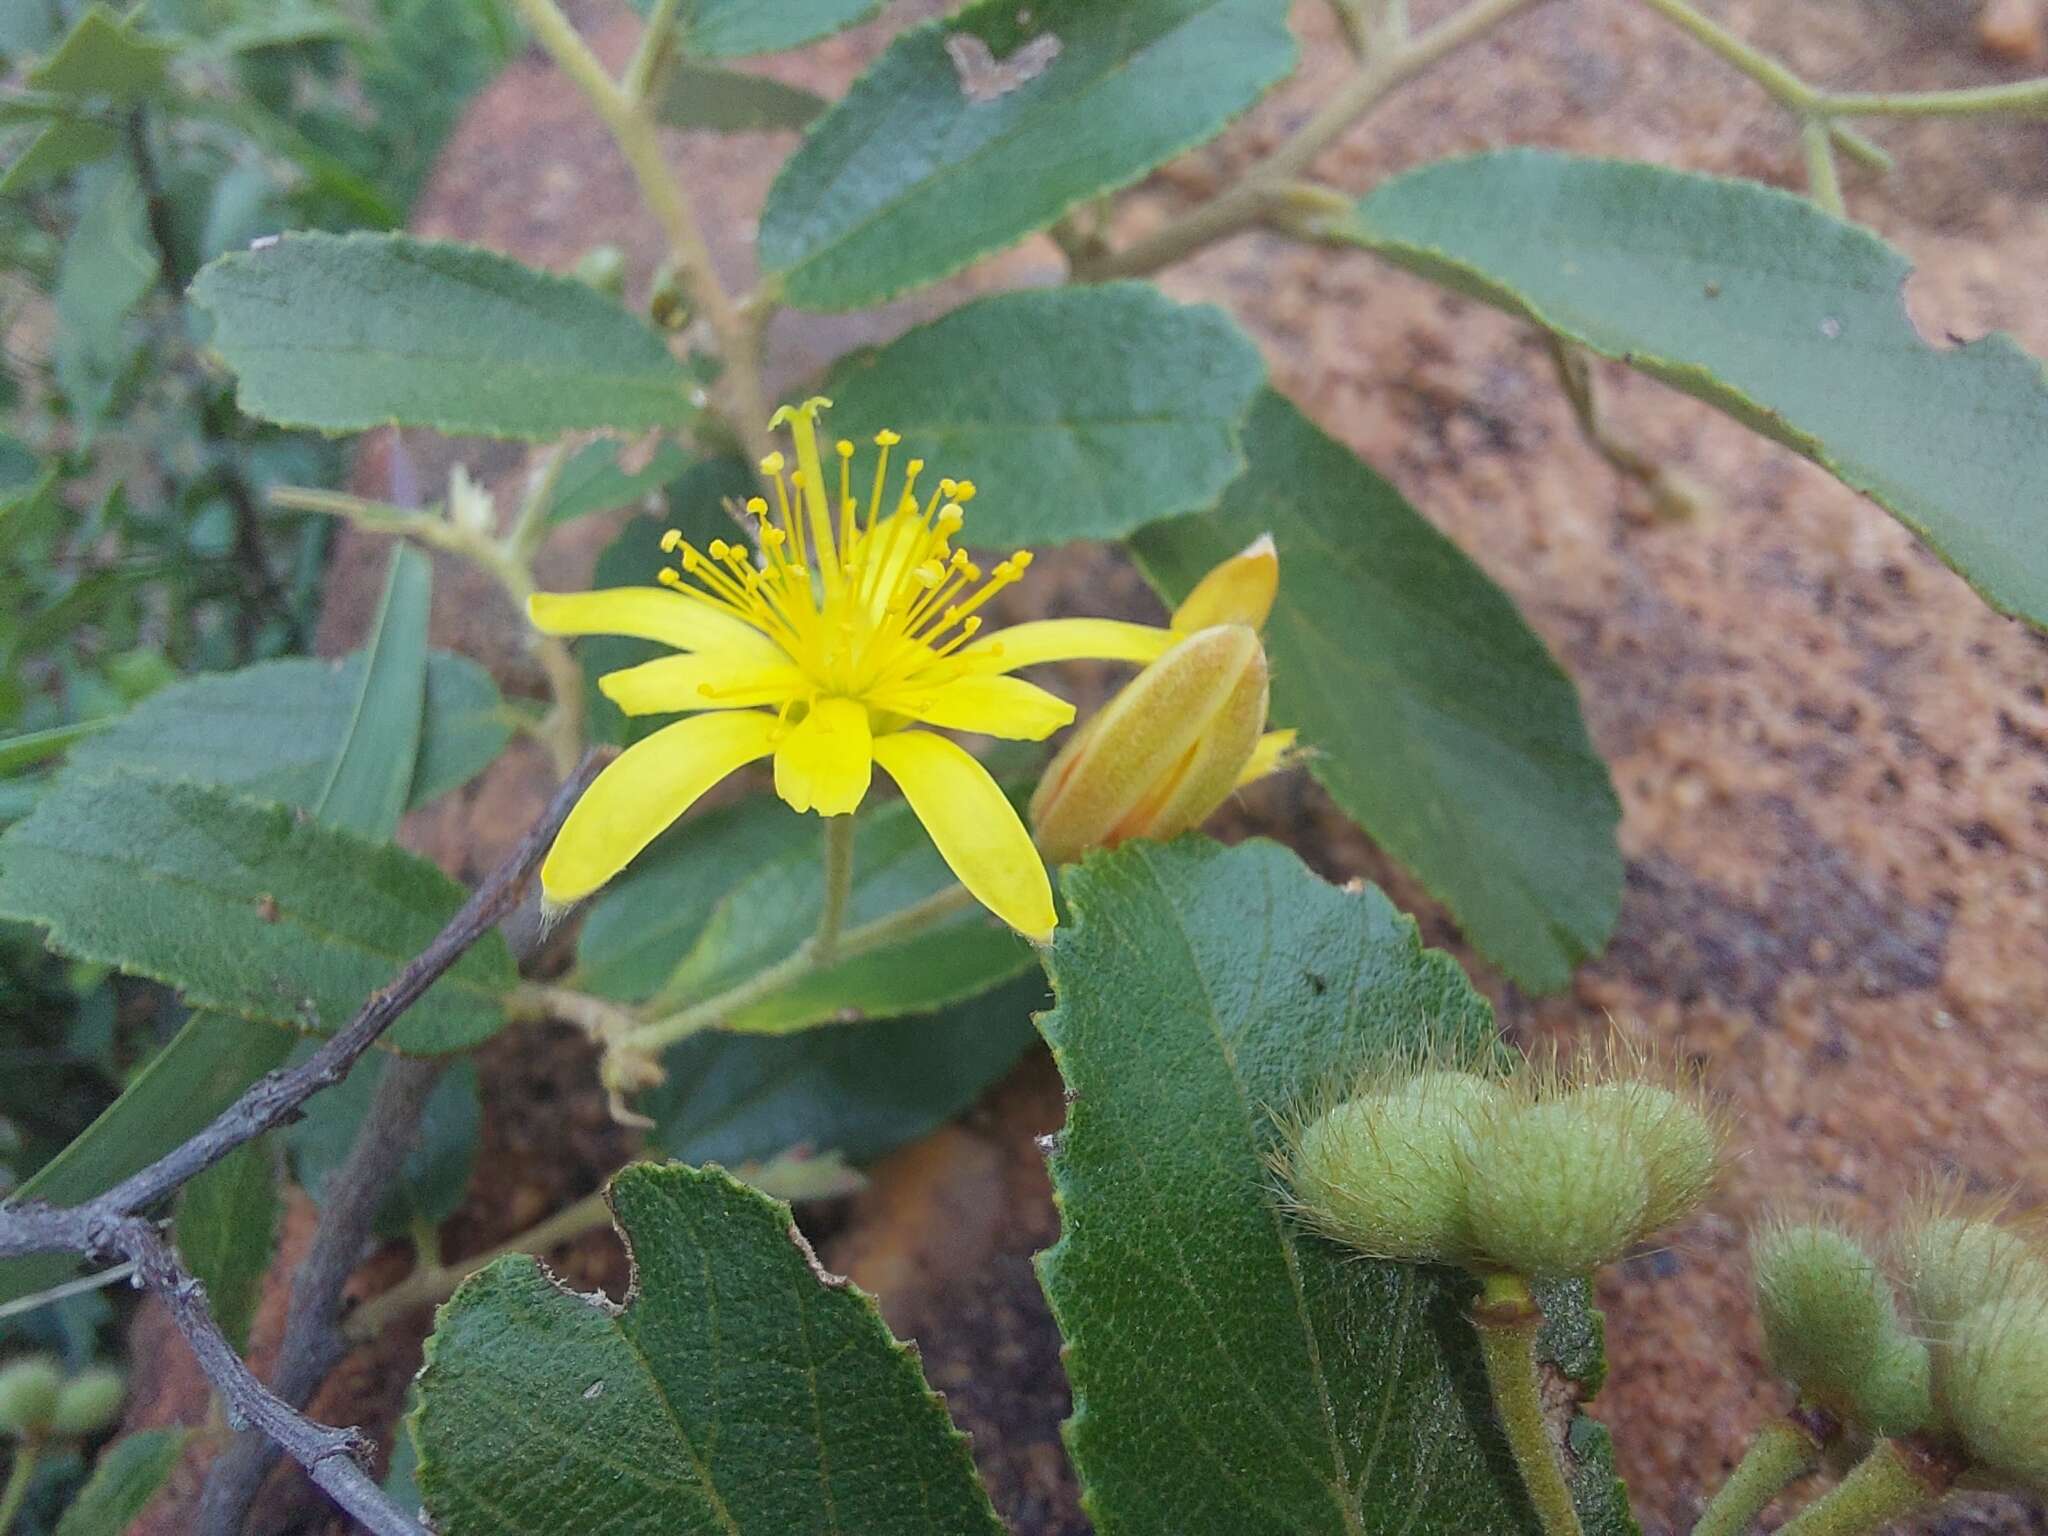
1542 1171
37 1400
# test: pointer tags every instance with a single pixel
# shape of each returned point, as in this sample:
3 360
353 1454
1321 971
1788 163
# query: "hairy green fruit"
1954 1264
1994 1385
1553 1189
89 1402
1832 1328
1383 1172
1680 1145
28 1395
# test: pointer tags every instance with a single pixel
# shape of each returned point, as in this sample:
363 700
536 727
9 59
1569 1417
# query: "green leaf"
975 130
1080 413
856 1089
128 1474
103 56
724 29
59 149
274 729
372 777
775 907
703 96
109 264
32 747
740 1390
592 480
1758 302
345 332
435 1174
205 1068
1230 1372
1437 717
226 1228
245 907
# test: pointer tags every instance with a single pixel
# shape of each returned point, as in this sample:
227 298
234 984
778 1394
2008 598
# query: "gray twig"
312 1345
107 1228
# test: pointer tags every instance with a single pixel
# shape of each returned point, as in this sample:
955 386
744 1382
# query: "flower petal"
650 785
1274 752
975 828
1026 645
671 684
994 705
826 762
647 613
1239 591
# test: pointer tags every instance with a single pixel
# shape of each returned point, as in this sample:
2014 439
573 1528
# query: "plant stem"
76 1287
2026 97
1888 1484
1784 87
435 1283
632 127
663 1032
25 1457
1507 1319
838 888
1822 180
1246 203
1783 1451
657 40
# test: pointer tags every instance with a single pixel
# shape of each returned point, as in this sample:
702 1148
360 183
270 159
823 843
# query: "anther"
670 538
887 439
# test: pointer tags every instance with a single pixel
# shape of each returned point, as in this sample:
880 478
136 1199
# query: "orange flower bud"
1162 754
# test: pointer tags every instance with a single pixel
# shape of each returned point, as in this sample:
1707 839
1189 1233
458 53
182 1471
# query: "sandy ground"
1833 760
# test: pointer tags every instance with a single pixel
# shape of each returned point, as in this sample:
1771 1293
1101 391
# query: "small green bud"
1680 1145
1553 1188
668 302
89 1402
1994 1385
1382 1172
1831 1327
603 267
1954 1264
28 1395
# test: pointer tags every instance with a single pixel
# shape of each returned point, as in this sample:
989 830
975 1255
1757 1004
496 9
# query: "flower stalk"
1507 1319
838 888
1895 1479
1784 1450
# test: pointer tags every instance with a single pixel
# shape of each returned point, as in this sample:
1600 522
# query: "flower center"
866 600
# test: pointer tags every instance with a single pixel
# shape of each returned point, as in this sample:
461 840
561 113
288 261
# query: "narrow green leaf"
32 747
856 1089
1232 1373
225 1230
126 1478
775 907
273 730
109 264
204 1069
975 130
104 56
592 480
705 97
1436 716
740 1391
435 1174
59 149
1760 303
1079 413
345 332
372 777
246 907
724 29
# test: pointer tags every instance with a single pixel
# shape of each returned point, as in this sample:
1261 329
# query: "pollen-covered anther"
670 538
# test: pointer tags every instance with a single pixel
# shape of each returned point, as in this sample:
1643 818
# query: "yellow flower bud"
1239 591
1162 754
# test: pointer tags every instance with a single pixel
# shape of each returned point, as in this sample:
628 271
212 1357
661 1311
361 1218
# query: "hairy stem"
632 126
1248 201
1507 1319
1783 1451
435 1283
838 888
26 1455
1895 1479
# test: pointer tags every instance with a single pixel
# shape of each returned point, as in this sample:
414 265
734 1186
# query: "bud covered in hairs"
1554 1187
89 1402
1381 1172
1954 1260
1832 1328
1992 1377
28 1395
1679 1140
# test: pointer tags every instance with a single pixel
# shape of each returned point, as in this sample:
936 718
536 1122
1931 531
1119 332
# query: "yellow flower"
1182 735
851 626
